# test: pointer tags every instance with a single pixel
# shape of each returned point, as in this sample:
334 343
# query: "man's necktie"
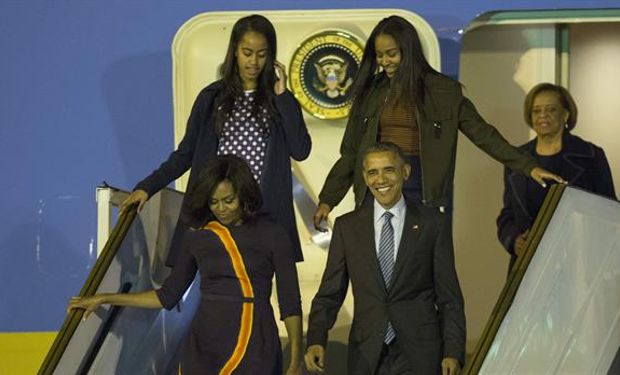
386 262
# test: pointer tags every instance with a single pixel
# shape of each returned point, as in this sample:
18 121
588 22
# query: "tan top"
398 125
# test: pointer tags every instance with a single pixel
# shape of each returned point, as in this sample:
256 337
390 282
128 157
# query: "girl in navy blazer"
249 113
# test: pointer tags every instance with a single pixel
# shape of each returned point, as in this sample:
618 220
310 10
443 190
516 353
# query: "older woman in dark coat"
551 111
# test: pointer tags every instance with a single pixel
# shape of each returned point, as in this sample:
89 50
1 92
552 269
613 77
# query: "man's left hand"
450 366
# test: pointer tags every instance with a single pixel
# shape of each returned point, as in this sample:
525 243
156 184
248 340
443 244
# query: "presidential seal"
322 70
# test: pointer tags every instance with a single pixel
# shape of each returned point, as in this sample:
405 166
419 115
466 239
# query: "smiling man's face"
384 174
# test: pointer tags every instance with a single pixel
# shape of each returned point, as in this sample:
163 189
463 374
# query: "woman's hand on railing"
147 300
88 304
138 196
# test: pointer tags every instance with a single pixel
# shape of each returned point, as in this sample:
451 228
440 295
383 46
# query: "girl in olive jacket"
398 96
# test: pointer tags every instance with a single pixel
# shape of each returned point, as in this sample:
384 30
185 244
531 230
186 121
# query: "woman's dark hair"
413 65
232 87
566 100
223 168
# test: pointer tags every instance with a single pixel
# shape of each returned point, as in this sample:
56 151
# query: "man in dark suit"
408 307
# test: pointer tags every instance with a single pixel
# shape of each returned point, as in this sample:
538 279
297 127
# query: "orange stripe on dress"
247 312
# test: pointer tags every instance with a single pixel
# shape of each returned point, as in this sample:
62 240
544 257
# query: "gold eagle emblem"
331 76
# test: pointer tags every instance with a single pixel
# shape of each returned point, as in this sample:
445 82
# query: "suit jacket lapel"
408 242
366 238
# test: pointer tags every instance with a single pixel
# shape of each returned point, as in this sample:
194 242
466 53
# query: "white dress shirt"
398 221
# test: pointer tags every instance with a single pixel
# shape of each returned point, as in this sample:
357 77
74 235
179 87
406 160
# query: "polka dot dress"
246 135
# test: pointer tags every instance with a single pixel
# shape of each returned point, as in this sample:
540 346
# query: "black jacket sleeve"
296 134
603 182
490 140
181 159
182 274
331 293
449 300
287 282
507 229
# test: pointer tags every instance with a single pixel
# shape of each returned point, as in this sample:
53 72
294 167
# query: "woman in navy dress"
237 252
249 113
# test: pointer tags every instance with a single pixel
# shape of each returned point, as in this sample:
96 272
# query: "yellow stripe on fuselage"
23 352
